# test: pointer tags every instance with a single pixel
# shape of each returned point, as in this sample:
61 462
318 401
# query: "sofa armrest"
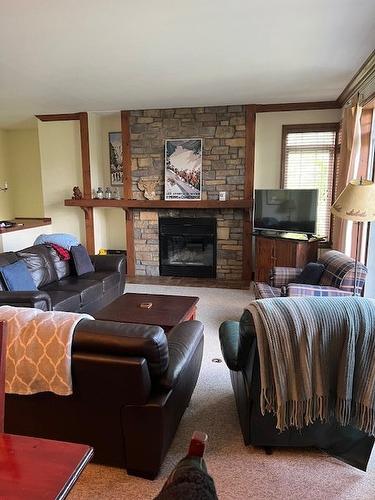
300 290
183 340
281 276
109 263
37 299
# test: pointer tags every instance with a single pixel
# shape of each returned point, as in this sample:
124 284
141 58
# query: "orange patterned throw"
39 350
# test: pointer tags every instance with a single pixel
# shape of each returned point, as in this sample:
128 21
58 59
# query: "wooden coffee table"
166 310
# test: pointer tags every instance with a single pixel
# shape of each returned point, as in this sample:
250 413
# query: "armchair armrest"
281 276
183 340
236 340
301 290
37 299
109 263
229 334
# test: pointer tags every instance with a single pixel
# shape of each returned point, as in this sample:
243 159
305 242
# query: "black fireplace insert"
187 247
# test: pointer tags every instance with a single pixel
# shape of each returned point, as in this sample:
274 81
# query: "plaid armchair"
337 279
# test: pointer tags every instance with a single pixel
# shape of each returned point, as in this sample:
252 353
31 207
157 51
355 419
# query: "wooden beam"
89 226
360 80
130 249
297 106
250 121
59 117
85 154
126 155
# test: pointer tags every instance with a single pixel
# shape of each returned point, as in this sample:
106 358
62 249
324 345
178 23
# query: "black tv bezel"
270 229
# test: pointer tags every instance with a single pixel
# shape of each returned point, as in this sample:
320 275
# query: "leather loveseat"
239 347
59 287
131 385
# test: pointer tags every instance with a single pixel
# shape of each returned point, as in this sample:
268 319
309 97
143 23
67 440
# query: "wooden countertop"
26 223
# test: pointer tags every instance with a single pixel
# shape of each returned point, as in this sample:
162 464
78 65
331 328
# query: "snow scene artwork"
183 169
115 158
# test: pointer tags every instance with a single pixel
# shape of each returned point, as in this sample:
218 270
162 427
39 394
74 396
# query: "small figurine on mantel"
148 187
77 193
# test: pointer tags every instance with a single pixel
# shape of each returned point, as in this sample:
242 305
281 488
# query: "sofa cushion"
107 278
81 260
65 301
17 277
88 290
39 263
62 267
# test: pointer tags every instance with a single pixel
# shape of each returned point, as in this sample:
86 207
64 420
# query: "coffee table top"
166 310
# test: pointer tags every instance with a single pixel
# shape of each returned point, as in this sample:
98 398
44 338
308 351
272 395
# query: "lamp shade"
356 202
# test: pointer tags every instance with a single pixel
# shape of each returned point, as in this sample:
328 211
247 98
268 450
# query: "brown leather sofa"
131 385
59 287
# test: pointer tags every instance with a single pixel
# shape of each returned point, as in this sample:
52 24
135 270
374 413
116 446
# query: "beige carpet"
240 472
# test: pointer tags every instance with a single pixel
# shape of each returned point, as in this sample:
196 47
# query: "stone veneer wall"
223 132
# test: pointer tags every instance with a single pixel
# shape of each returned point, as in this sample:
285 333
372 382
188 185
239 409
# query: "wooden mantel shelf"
151 204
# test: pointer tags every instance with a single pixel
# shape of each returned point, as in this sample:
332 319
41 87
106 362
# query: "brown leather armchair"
131 386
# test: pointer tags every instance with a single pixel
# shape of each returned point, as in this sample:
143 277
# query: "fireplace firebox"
187 247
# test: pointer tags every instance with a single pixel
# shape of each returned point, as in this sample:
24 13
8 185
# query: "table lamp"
356 203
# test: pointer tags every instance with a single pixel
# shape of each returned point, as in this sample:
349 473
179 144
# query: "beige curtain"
348 170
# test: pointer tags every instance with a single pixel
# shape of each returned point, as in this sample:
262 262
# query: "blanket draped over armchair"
315 365
39 350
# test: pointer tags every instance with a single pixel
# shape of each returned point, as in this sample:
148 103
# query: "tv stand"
271 251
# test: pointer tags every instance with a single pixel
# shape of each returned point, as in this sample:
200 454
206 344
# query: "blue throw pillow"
17 277
64 240
81 260
310 274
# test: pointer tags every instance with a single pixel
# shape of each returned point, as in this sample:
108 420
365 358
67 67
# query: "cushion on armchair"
310 274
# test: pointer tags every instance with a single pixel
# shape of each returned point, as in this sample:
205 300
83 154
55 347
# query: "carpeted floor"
239 472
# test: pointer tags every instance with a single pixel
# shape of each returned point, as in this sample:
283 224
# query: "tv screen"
287 210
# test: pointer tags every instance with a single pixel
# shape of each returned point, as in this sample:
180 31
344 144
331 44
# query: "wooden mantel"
155 204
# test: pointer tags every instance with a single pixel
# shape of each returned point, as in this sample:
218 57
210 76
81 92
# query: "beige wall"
6 203
268 141
115 217
60 156
25 176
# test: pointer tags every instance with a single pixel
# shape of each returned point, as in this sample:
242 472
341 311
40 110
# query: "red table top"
34 468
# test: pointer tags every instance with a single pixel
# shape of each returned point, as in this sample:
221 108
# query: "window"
308 162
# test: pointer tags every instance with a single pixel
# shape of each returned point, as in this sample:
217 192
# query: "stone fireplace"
187 246
222 129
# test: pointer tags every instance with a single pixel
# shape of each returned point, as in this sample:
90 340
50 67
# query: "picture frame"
183 169
115 158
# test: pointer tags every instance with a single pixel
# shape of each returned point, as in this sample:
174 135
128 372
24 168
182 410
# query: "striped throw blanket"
39 350
317 360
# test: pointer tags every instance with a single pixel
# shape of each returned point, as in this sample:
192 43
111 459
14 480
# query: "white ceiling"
59 56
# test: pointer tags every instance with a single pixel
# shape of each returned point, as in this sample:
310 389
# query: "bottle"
99 193
108 193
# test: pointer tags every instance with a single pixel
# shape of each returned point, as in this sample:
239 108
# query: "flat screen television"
286 210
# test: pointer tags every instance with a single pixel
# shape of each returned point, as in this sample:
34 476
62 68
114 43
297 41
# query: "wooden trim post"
247 252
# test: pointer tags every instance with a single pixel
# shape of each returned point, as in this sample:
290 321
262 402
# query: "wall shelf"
154 204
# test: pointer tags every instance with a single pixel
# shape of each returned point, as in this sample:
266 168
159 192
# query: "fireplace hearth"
187 247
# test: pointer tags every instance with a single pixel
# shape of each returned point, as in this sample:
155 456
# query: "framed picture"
183 169
115 158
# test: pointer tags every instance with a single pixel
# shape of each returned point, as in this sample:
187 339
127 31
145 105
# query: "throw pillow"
17 277
62 239
81 260
310 274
